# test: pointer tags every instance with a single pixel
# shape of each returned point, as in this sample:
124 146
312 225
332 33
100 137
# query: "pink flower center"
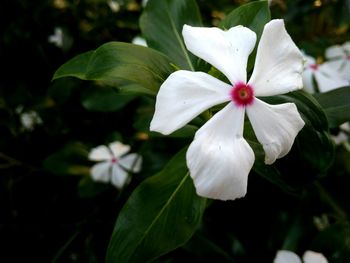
314 67
348 57
242 94
114 160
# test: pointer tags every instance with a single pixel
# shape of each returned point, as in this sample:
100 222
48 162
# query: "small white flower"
57 37
139 41
114 6
339 56
326 77
285 256
219 158
114 163
28 119
343 135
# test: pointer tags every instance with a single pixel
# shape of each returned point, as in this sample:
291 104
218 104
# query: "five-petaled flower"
325 76
219 158
285 256
114 163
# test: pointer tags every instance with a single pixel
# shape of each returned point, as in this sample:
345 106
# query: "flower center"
314 67
348 57
114 160
242 94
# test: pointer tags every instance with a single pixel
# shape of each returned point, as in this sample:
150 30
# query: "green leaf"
68 160
206 250
161 23
161 215
336 104
105 99
115 61
252 15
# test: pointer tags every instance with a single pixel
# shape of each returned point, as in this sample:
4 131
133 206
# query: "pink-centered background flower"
219 158
339 56
325 75
114 163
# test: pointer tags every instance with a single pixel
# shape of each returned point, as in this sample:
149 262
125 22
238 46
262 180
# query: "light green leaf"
115 61
336 104
161 215
162 22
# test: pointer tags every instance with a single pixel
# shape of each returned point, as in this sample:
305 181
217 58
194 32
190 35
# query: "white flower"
219 158
285 256
57 37
340 58
323 74
139 41
114 6
343 136
114 162
28 119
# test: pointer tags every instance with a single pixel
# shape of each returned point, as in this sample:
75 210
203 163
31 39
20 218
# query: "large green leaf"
252 15
336 104
161 23
161 215
115 61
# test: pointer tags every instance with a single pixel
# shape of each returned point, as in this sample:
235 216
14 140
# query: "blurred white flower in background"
57 37
139 41
323 75
114 163
61 39
285 256
343 136
114 6
339 56
28 119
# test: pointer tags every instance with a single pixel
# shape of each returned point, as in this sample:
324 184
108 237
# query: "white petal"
118 149
308 80
219 159
284 256
346 47
101 172
345 70
336 65
278 64
275 126
327 82
183 96
119 176
131 162
314 257
335 52
228 51
100 153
